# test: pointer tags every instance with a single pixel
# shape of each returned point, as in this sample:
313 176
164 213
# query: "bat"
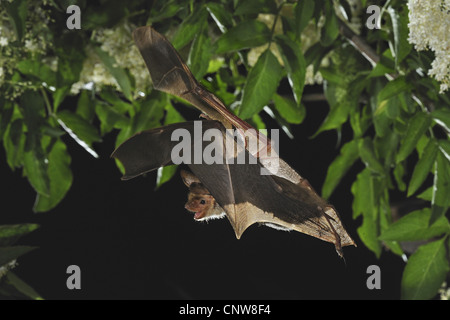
281 199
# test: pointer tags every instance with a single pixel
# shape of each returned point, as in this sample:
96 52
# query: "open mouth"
198 215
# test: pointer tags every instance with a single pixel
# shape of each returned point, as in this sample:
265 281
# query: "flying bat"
279 198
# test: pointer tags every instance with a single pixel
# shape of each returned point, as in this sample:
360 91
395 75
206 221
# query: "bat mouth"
199 215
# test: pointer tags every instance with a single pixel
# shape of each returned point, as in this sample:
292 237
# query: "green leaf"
21 286
288 109
35 168
118 73
414 226
80 127
392 89
14 143
366 191
294 63
339 108
110 118
423 166
59 95
330 30
247 34
303 12
170 9
441 188
221 16
189 28
200 53
17 11
255 6
85 106
262 82
442 117
39 70
367 154
339 167
10 233
165 174
8 254
6 113
417 126
60 176
400 22
425 271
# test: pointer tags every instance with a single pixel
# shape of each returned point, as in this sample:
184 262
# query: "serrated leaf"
425 271
117 72
417 126
247 34
60 176
294 63
262 82
414 226
423 166
339 167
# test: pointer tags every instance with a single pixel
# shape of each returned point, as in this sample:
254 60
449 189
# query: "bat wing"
151 149
171 75
246 196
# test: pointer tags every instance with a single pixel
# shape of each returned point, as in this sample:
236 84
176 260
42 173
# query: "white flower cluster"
429 25
118 43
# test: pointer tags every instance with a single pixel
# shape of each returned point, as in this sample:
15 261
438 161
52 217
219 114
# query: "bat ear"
188 178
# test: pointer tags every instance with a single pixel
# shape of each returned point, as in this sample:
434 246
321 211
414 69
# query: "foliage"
11 286
399 116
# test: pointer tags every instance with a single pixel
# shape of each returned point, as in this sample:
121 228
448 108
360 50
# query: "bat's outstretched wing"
171 75
246 196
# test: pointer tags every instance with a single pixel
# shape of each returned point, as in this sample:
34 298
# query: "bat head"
200 201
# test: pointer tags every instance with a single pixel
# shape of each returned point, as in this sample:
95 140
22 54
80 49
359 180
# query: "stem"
47 103
275 22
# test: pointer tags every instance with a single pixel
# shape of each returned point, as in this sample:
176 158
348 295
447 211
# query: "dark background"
134 242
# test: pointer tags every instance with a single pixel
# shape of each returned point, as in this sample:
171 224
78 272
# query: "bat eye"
202 201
